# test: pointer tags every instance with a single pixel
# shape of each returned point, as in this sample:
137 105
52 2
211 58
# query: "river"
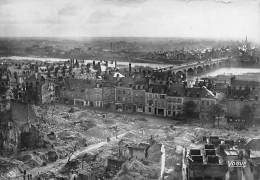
122 64
232 71
221 71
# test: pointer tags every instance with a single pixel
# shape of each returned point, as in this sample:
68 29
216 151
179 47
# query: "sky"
217 19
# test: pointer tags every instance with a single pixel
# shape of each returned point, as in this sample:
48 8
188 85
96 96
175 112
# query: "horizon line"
145 37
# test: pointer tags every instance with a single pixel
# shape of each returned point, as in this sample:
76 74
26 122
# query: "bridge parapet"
193 65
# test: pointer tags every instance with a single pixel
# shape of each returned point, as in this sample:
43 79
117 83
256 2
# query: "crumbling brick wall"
9 134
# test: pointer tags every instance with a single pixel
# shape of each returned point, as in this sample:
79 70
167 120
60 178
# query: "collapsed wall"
18 129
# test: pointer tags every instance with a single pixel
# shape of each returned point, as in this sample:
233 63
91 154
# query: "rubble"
52 156
136 170
65 133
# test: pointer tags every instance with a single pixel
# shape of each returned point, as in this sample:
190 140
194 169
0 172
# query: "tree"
215 112
189 109
247 114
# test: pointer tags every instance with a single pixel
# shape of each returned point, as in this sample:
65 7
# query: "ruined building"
18 129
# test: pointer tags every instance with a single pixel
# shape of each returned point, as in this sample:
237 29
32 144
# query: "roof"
199 92
231 152
79 84
158 88
176 90
117 74
238 82
108 83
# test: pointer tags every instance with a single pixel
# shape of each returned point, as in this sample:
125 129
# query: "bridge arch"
180 74
190 71
207 67
199 69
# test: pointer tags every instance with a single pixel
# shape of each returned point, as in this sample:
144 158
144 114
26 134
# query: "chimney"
130 68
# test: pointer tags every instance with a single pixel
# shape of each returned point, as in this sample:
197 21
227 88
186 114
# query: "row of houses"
136 97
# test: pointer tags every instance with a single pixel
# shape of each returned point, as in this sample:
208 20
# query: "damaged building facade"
19 129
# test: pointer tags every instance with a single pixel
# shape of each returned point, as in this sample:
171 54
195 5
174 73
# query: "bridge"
195 67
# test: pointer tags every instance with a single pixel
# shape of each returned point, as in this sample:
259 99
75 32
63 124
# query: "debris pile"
136 170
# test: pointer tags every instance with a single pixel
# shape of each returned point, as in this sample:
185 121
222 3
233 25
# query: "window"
169 113
179 100
162 96
150 109
179 107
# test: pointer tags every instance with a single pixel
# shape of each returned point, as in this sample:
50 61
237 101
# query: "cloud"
124 2
101 16
68 10
4 2
224 1
197 18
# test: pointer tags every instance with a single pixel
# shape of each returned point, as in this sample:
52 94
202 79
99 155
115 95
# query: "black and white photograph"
129 89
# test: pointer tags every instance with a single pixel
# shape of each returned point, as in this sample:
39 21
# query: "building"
18 129
156 103
124 98
138 98
94 96
174 106
244 88
203 98
38 90
205 164
108 96
4 77
175 100
47 92
234 108
5 99
253 153
155 99
75 91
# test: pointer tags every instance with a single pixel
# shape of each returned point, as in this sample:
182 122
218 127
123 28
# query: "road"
56 166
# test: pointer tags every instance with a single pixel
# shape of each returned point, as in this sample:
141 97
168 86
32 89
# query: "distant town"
157 115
